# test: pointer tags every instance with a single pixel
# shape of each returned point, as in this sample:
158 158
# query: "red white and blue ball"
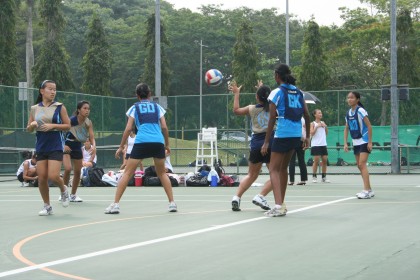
213 77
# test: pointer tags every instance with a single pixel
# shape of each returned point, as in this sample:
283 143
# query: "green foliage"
244 64
97 61
314 72
8 51
51 63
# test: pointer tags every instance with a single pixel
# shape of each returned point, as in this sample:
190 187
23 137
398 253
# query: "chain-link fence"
183 118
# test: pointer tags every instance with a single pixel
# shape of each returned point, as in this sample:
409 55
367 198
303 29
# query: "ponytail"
285 74
357 95
263 92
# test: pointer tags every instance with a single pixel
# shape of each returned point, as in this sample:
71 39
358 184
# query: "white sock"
277 206
235 197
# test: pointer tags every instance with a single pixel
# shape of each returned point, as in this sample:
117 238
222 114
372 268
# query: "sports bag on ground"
95 177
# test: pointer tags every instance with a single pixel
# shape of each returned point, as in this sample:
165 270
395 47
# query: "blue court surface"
327 234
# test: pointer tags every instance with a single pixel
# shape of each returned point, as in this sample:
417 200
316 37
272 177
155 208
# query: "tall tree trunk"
383 113
29 51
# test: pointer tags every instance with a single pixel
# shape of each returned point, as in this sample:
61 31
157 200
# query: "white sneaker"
236 203
325 180
260 200
25 184
75 198
365 194
65 198
314 180
113 208
277 212
172 207
47 210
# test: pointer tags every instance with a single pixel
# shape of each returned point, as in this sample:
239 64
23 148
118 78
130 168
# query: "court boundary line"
158 240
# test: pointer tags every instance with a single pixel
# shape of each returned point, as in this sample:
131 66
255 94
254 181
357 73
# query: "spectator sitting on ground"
89 155
26 172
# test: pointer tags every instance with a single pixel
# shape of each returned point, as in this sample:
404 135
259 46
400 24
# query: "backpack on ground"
95 177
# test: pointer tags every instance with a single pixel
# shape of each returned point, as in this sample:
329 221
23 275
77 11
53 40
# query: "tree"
51 63
96 62
314 72
408 53
8 52
149 63
244 64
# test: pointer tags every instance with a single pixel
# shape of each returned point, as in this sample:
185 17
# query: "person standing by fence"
49 118
319 132
358 124
300 154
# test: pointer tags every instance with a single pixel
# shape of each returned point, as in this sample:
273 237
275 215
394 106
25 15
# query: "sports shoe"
25 184
314 180
365 194
172 207
325 180
277 212
65 198
75 198
236 203
113 208
47 210
260 200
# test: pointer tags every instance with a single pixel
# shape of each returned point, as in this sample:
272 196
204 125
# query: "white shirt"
319 139
87 155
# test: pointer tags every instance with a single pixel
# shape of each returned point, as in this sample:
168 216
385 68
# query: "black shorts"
360 149
53 155
148 150
255 156
127 156
20 177
284 145
76 149
319 151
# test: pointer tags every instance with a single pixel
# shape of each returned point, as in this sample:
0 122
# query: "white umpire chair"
206 147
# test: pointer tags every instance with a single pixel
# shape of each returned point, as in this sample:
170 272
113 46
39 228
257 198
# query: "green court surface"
327 234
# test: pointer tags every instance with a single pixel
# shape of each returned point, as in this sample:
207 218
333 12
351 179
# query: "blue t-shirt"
285 128
148 123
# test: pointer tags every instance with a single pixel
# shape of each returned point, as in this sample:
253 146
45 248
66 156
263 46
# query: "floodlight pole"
201 82
395 159
158 78
287 32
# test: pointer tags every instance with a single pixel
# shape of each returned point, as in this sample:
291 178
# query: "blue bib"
353 123
294 106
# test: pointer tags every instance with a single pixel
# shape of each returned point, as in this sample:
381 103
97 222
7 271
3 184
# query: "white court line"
158 240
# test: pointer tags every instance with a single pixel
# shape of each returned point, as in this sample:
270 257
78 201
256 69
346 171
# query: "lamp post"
201 82
287 32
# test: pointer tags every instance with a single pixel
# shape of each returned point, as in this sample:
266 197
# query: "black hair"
79 106
142 90
357 95
285 74
314 112
263 92
42 86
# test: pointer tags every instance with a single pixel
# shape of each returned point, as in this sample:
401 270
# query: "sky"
325 11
